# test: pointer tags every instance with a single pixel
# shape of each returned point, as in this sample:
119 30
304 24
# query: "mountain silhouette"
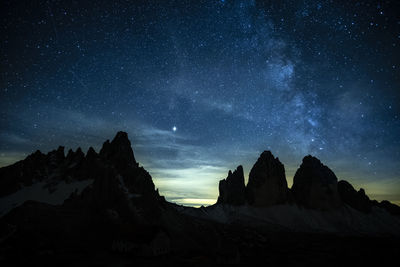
315 186
53 205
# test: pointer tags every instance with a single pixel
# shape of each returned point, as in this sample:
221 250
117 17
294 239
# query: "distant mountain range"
315 187
52 206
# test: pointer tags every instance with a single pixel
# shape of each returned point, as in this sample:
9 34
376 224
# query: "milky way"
203 86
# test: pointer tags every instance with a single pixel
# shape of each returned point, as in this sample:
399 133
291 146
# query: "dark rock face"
315 185
51 167
22 173
114 162
267 182
121 193
119 151
119 154
357 200
388 206
232 189
76 156
56 157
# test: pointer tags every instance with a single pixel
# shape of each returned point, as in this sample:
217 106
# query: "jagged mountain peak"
232 189
311 160
314 168
75 155
121 136
267 181
115 164
266 154
119 151
91 153
238 172
37 153
315 185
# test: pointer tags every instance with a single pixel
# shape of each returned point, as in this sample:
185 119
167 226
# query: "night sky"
203 86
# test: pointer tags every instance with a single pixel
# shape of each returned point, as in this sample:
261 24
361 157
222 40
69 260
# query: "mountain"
315 185
356 199
267 184
79 207
232 189
51 178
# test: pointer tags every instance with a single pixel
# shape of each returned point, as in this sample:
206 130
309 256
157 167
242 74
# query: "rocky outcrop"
267 182
388 206
232 189
36 167
315 185
22 173
114 174
50 168
75 157
357 200
119 152
120 193
56 157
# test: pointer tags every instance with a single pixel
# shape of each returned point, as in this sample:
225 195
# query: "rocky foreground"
103 209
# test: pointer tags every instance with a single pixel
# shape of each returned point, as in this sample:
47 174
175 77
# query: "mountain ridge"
109 203
315 186
267 175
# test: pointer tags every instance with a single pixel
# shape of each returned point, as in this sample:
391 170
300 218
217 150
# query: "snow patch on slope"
40 192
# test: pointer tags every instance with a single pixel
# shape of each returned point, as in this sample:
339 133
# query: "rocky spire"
56 157
232 189
267 182
91 154
76 156
119 151
315 185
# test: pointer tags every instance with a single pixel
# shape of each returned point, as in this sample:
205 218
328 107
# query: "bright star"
174 128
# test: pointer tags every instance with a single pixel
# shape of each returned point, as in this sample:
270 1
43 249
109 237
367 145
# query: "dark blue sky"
234 77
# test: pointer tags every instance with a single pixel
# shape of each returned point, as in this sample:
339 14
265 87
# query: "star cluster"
203 86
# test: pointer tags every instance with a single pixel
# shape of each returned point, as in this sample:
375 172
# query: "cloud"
219 105
13 139
179 185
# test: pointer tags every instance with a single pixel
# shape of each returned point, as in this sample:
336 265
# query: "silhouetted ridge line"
315 186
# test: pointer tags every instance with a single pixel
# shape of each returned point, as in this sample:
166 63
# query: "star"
243 76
